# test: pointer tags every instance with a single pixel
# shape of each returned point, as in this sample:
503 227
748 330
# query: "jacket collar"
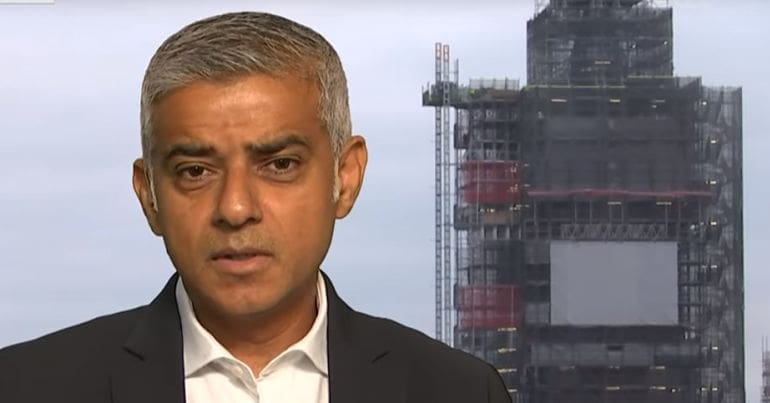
361 366
151 370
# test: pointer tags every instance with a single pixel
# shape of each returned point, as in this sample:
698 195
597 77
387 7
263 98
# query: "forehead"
258 104
257 93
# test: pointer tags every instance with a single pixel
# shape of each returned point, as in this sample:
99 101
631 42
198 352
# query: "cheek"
182 225
300 218
304 221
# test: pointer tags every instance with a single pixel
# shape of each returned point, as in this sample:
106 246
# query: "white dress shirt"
213 375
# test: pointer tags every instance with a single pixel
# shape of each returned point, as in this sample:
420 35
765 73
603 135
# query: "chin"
238 304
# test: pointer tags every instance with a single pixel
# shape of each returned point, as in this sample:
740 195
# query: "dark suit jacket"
136 357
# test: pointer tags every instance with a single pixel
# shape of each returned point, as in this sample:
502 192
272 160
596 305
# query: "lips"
238 254
240 261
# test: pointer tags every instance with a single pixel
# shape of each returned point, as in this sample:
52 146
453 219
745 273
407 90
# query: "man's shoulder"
72 344
422 349
439 372
67 363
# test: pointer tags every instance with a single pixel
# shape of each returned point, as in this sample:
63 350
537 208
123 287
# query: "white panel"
613 283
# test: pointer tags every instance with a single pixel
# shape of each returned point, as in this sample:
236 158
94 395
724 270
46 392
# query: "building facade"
589 224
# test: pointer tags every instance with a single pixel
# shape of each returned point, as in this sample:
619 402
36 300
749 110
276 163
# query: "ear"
143 190
352 165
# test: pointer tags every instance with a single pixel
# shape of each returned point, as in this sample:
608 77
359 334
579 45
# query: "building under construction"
589 224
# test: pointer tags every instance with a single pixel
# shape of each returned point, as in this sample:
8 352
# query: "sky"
75 245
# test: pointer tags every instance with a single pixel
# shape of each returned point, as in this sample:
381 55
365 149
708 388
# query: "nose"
238 201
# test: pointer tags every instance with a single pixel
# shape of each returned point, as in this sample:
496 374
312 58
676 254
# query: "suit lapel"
151 366
361 366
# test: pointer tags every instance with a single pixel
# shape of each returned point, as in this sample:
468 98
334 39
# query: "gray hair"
229 46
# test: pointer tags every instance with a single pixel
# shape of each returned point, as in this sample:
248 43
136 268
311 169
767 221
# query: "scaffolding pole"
439 306
445 195
765 391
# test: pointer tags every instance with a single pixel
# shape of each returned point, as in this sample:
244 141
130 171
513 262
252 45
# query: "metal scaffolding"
764 393
603 150
443 183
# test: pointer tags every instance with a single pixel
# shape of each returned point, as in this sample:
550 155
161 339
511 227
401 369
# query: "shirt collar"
201 348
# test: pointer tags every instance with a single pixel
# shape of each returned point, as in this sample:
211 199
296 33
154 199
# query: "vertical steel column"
446 208
438 186
452 315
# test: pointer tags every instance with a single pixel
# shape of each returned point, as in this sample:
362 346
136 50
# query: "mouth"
238 254
240 261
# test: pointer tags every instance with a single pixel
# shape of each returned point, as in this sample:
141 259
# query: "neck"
258 338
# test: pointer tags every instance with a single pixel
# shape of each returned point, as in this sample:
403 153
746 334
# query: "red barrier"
490 182
489 307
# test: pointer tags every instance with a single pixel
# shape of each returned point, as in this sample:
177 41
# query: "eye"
282 165
193 172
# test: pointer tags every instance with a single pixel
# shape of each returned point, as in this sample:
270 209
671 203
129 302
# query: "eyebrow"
276 145
190 150
255 149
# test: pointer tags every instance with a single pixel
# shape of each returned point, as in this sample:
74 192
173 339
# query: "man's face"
243 173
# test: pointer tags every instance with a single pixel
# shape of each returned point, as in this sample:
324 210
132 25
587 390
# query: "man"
248 160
